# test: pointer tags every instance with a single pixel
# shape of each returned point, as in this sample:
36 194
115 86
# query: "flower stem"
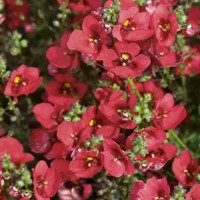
131 82
178 139
183 82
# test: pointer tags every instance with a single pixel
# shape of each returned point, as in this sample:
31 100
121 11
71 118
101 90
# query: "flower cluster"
109 109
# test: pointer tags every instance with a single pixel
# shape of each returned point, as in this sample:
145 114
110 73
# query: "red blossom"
73 134
98 124
118 110
60 151
191 62
185 169
12 147
86 164
24 80
157 158
154 88
50 116
162 56
116 162
82 6
16 13
165 25
153 137
166 114
46 114
65 89
154 189
78 190
193 194
39 141
62 167
46 181
193 18
124 60
90 39
132 25
60 56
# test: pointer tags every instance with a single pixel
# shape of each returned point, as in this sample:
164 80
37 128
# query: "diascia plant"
100 100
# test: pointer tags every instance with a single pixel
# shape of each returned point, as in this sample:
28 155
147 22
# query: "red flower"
165 25
119 110
62 167
104 92
24 80
39 141
16 14
65 89
185 168
133 25
136 190
14 149
153 137
151 87
46 181
154 89
98 124
86 164
82 6
49 116
116 162
90 39
191 63
72 190
60 56
157 158
166 115
124 60
193 194
154 189
193 18
60 151
162 56
46 115
72 134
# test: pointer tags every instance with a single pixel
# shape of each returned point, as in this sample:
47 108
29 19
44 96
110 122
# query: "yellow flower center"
91 123
89 158
91 40
67 85
168 26
17 80
125 56
126 22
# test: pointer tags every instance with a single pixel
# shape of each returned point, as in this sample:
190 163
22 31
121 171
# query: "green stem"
183 82
131 82
169 174
168 74
175 136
